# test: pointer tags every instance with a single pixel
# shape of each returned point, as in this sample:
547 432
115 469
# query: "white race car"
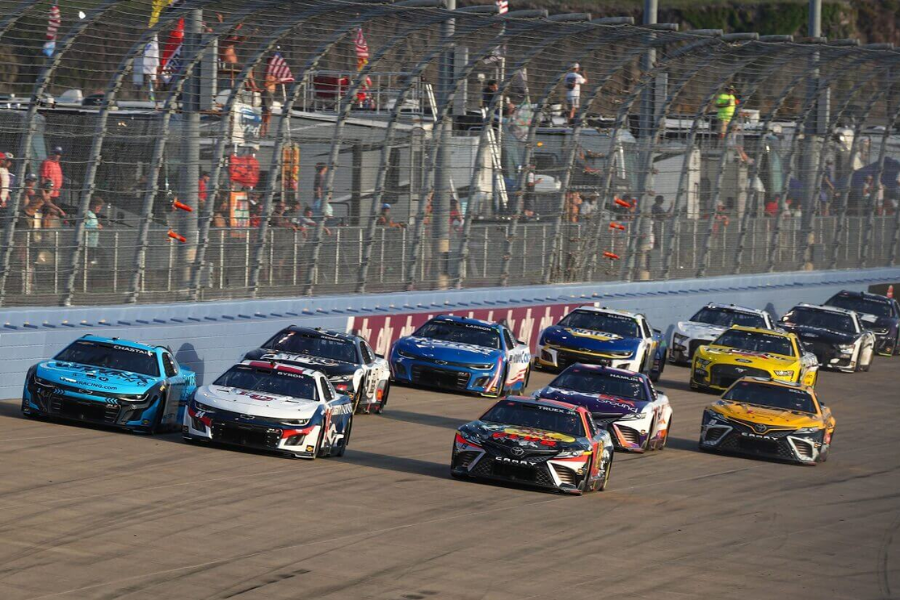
269 406
710 322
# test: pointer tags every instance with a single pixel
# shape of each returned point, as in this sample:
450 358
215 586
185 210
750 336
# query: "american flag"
362 50
53 24
503 6
278 68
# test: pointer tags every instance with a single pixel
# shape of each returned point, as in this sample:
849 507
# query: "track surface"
88 513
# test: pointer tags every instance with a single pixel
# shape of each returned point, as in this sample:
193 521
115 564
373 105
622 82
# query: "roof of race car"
128 343
736 308
612 370
322 332
544 402
760 330
867 295
276 366
823 308
465 320
606 310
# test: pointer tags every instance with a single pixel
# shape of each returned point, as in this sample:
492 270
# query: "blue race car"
113 382
603 336
465 355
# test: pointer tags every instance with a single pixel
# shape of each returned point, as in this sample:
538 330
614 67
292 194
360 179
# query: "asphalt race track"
89 513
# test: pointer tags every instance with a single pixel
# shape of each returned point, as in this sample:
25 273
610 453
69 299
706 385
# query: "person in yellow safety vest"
726 103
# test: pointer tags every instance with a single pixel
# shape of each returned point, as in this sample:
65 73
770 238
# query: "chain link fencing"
219 149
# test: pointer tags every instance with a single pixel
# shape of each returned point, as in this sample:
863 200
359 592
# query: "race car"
461 354
113 382
541 443
602 336
770 419
878 313
346 359
835 335
273 407
626 404
708 323
750 352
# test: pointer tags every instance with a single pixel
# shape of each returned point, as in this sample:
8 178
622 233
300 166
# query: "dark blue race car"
879 314
466 355
110 382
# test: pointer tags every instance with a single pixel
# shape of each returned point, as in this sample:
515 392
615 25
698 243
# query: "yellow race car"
751 352
770 419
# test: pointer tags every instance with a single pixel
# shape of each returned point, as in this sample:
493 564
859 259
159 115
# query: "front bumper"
559 358
885 343
541 470
67 403
731 437
830 356
448 376
229 428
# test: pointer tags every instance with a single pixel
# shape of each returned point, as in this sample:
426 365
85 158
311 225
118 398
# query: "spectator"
588 207
456 219
488 92
319 187
773 205
306 220
573 206
574 80
36 200
220 218
281 216
385 220
658 211
531 181
726 105
721 218
5 179
92 228
52 171
268 103
826 196
202 185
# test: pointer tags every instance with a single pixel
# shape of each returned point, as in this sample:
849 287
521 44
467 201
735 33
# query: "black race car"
542 443
878 313
346 359
835 335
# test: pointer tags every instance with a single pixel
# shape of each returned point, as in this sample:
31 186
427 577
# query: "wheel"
605 481
343 448
655 375
694 385
661 445
646 445
502 388
527 378
586 486
384 398
868 356
358 396
157 420
317 451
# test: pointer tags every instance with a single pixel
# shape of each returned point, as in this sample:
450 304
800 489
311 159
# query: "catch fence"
232 150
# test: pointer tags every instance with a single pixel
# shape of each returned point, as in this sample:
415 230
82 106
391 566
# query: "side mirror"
379 356
521 343
657 332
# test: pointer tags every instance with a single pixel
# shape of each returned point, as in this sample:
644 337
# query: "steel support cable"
748 92
521 28
617 34
569 25
388 143
219 154
810 103
40 86
622 114
355 85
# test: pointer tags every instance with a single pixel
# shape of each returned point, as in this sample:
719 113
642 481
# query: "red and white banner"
526 322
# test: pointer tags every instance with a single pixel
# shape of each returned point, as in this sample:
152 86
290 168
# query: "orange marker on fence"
890 292
624 203
181 206
611 256
175 236
617 226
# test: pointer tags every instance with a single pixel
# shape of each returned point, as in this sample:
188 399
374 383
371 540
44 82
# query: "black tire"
865 368
645 447
384 399
157 420
527 378
358 396
502 389
344 442
601 487
586 485
318 451
662 446
662 367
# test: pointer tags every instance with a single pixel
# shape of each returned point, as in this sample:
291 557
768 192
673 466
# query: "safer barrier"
209 337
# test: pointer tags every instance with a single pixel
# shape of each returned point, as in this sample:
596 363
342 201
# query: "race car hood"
590 341
817 334
258 404
511 435
724 354
94 378
329 367
449 351
699 331
595 403
770 417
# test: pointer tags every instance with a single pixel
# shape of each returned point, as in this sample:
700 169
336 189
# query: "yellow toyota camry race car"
751 352
770 419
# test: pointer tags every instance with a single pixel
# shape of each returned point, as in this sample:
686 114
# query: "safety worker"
726 104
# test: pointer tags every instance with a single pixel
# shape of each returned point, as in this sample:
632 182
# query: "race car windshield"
517 414
619 325
723 317
111 356
592 382
461 333
862 305
267 381
755 342
772 396
820 319
295 342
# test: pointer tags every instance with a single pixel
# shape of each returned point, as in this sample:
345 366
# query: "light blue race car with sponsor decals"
113 382
461 354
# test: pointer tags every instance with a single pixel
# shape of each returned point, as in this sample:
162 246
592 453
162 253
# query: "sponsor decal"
545 438
513 461
135 350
